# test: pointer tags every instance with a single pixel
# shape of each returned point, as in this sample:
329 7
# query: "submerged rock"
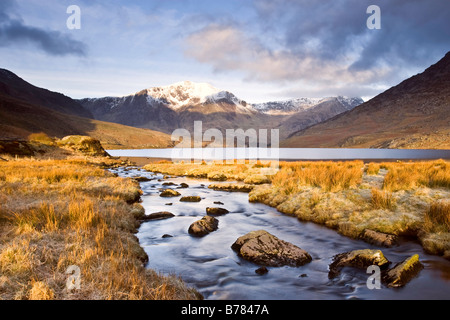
403 272
262 271
358 259
204 226
169 193
158 216
379 238
184 185
265 249
169 184
216 211
191 199
142 179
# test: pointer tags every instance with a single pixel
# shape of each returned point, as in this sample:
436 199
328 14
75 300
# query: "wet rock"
379 238
191 199
232 187
142 179
218 202
169 184
158 216
169 193
184 185
358 259
166 177
262 271
169 204
265 249
204 226
167 236
216 211
403 272
304 275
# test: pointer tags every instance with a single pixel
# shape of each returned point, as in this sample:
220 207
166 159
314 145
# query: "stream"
217 272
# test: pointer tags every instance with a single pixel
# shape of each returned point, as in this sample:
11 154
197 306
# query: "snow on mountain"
188 93
302 104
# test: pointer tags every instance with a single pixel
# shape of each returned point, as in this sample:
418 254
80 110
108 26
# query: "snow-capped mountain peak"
186 93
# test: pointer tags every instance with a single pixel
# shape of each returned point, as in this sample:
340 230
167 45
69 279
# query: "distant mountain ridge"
178 105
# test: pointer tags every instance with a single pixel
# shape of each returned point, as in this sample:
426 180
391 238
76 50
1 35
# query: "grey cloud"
14 31
414 33
326 44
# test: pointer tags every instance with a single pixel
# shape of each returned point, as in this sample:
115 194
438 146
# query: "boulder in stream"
403 272
167 193
265 249
191 199
358 259
204 226
216 211
158 216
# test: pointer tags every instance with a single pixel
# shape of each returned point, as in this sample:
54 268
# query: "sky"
261 50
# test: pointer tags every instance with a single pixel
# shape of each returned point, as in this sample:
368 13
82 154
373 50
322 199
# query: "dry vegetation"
399 198
59 213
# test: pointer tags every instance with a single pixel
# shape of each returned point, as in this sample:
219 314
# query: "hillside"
412 115
19 119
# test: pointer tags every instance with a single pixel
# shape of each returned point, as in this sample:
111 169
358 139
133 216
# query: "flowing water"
210 265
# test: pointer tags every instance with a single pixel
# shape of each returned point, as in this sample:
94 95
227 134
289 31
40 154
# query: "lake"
284 154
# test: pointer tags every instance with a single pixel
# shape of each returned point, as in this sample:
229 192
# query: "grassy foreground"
402 199
60 213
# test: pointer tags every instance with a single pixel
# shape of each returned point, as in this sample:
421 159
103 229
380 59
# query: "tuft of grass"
437 217
382 200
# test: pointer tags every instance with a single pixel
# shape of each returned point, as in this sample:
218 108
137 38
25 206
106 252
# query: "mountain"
14 86
293 106
26 109
179 105
176 106
415 114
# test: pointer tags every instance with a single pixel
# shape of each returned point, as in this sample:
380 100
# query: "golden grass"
58 213
329 176
382 200
437 217
406 176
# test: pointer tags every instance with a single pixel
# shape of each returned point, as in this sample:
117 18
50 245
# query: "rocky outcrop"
265 249
358 259
84 144
191 199
167 193
403 272
216 211
204 226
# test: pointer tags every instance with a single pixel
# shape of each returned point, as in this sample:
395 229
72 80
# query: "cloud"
14 31
327 44
227 47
